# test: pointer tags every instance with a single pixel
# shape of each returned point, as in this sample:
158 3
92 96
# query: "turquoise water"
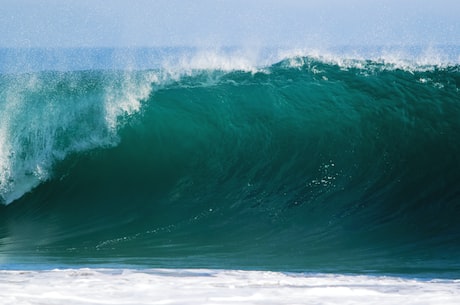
306 164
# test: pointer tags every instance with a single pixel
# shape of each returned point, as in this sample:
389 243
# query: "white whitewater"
200 286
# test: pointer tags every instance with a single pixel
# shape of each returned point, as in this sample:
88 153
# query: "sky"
294 23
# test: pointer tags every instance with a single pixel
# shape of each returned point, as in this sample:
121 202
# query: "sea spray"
48 115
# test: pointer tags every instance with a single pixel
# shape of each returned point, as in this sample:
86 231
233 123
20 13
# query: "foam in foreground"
202 286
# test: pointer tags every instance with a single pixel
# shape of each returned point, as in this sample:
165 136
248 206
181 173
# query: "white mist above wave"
178 59
176 286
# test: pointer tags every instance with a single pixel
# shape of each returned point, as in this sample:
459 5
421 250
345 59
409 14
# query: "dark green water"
306 165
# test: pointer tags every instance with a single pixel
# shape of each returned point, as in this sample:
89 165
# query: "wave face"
306 164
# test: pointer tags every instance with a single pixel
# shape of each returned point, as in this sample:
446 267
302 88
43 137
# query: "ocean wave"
335 161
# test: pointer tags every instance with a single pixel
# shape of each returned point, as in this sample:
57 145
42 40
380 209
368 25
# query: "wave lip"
47 116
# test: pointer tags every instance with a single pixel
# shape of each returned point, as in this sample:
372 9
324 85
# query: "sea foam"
204 286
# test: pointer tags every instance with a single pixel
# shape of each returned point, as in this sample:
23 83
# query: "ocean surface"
255 176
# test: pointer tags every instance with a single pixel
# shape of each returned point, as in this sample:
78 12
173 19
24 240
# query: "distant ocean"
230 176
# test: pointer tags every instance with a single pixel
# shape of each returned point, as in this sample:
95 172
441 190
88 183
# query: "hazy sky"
98 23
